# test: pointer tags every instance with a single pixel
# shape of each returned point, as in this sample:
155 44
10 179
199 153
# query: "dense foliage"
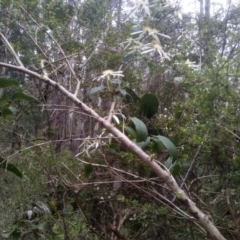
167 79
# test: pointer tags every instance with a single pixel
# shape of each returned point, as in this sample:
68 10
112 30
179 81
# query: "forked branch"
161 171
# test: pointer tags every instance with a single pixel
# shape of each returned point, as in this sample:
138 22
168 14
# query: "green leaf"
7 82
157 145
6 112
16 234
141 129
127 57
149 105
88 168
4 99
131 96
177 112
94 90
176 169
169 145
23 97
145 144
10 167
131 133
168 163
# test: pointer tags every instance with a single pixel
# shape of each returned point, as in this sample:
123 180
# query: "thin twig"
191 166
10 48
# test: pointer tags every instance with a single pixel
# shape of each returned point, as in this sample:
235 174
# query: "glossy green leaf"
149 105
94 91
23 97
6 82
141 129
169 146
130 132
10 167
145 144
157 145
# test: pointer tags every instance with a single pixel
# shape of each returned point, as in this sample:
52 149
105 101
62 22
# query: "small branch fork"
164 175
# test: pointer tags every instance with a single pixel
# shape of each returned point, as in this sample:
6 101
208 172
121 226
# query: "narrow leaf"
94 90
141 129
128 56
169 145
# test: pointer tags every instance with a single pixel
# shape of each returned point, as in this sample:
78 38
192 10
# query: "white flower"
154 32
108 73
151 32
141 5
130 41
195 67
155 47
